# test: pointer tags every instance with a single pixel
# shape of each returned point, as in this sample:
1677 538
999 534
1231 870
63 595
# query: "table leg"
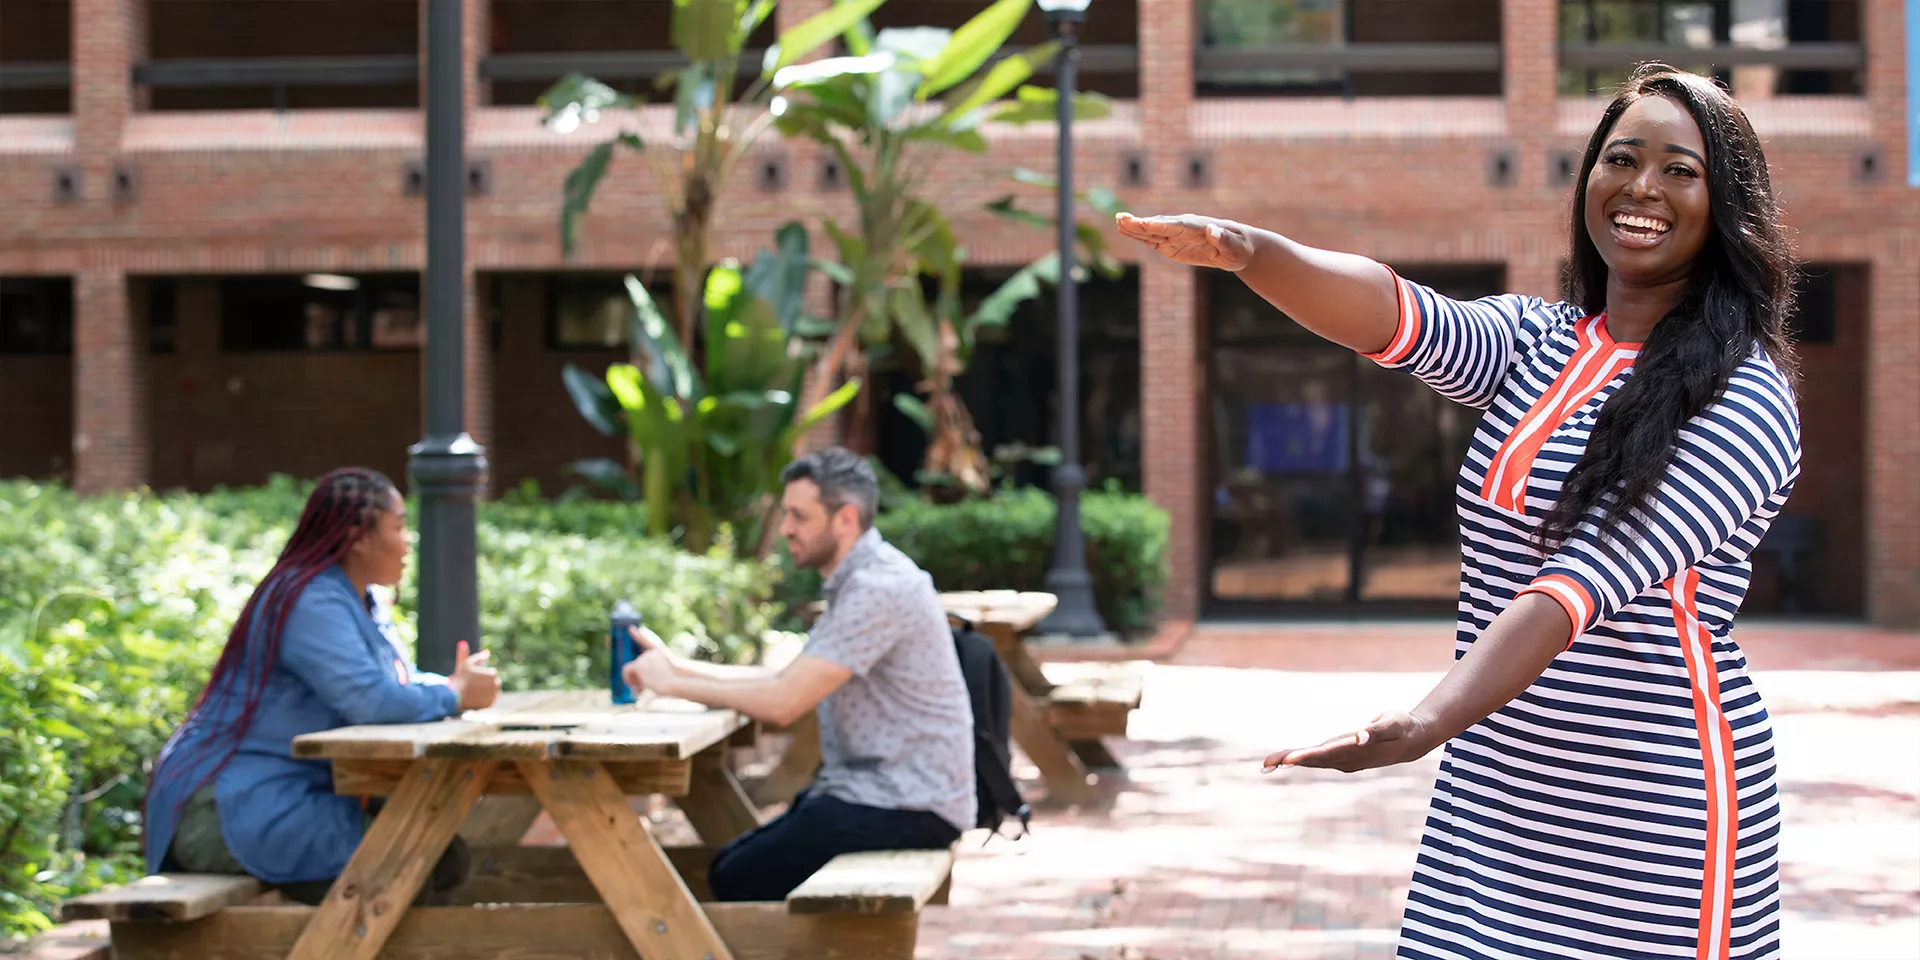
797 766
647 897
716 806
1094 755
400 849
1065 775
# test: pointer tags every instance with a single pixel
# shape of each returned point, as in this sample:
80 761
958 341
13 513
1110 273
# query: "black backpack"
991 691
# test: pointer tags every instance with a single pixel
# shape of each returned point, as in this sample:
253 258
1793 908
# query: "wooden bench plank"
514 874
391 741
752 931
379 778
171 896
881 882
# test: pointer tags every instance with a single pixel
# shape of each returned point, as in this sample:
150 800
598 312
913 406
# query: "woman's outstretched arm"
1345 298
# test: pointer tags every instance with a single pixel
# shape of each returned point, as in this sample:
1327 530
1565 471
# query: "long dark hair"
343 507
1740 296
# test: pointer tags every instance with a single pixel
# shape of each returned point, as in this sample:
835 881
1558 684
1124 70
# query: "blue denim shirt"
338 666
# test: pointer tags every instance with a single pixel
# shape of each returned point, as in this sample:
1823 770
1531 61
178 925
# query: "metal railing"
37 75
1795 56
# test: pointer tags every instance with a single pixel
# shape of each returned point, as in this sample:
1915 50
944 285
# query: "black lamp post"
447 465
1075 615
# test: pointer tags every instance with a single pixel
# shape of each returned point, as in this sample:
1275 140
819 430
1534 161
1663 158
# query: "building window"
320 312
163 315
1757 48
35 37
622 43
1816 310
591 311
269 54
1365 48
36 316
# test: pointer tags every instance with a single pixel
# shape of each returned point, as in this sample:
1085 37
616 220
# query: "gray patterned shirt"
899 733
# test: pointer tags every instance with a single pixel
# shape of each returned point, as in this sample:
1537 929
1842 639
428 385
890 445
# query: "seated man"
896 725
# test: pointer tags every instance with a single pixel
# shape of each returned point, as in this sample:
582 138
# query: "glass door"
1331 479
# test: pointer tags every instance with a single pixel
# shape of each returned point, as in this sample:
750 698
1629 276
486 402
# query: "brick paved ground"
1195 855
1192 855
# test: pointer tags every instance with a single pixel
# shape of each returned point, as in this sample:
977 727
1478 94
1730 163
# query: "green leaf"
608 476
972 44
577 99
807 76
1008 207
1042 104
1104 200
915 409
577 193
779 277
1024 285
693 95
916 324
835 271
1005 76
623 381
755 16
60 728
815 327
808 35
969 140
708 29
593 399
827 407
891 92
668 369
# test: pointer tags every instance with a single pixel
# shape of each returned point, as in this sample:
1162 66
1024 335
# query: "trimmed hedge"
1006 543
112 610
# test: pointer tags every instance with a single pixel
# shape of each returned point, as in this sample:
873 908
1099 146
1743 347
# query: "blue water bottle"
625 649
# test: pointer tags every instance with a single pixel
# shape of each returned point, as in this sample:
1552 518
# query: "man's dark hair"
844 477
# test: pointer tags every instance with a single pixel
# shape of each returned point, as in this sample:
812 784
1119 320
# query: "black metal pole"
447 465
1068 580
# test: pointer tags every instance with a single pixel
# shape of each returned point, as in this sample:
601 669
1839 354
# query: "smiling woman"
1607 787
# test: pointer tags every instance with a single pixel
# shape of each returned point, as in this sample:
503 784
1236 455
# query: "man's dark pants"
768 863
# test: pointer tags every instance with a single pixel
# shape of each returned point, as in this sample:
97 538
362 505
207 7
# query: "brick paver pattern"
1191 854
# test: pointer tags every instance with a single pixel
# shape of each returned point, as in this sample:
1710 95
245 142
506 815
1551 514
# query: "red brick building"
212 237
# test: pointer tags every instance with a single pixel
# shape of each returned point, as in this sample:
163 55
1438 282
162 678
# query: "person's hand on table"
1393 737
655 668
476 684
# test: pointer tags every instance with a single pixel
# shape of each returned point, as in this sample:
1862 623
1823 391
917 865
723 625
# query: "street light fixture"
1075 615
447 465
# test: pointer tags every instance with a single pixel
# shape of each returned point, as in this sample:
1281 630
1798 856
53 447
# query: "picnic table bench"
613 892
1060 710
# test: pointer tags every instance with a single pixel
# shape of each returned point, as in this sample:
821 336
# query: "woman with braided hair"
313 650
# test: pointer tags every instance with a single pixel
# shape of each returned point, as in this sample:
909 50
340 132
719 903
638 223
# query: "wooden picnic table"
580 756
1057 725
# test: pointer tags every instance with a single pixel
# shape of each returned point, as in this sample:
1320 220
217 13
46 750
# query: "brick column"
1173 454
110 449
109 384
1529 33
1166 89
1893 351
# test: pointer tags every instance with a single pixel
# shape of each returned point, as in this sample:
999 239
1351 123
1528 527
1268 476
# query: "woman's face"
380 555
1647 207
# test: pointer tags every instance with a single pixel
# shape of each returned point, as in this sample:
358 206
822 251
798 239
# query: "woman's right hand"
1193 240
476 684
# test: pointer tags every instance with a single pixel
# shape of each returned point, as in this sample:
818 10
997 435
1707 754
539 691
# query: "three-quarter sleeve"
1462 349
1733 466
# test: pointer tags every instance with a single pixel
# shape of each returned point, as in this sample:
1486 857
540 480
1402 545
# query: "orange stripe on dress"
1571 596
1596 361
1406 332
1716 760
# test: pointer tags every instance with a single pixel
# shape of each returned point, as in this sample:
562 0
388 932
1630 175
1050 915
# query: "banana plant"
710 439
710 130
888 111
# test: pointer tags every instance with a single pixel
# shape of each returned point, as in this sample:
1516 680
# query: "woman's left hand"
1393 737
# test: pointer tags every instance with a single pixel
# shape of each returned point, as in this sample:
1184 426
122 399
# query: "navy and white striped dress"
1625 805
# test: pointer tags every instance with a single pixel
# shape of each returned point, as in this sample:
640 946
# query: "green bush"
112 609
1006 543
